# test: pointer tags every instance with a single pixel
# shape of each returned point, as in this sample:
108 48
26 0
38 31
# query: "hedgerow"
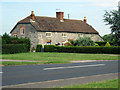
83 49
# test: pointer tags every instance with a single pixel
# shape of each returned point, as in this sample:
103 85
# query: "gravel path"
89 61
78 61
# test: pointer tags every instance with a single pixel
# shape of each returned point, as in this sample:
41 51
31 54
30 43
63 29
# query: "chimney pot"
85 20
32 16
60 15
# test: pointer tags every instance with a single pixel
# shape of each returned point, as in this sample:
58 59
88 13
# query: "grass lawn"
46 58
102 84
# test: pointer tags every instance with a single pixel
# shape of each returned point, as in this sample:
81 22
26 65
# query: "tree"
112 18
84 41
6 38
109 38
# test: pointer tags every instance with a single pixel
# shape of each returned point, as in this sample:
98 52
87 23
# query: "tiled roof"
54 25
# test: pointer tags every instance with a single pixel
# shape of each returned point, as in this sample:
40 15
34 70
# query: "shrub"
68 44
84 41
49 48
96 44
21 41
33 49
38 48
111 38
107 44
71 42
14 48
6 39
101 43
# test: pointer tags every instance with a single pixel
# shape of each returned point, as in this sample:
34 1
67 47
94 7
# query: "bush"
84 41
38 48
96 44
6 39
111 38
21 41
101 43
14 48
83 49
107 44
68 44
49 48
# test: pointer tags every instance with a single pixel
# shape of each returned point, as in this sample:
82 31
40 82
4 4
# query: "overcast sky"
13 11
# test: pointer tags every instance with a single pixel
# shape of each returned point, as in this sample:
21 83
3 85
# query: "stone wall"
30 32
57 37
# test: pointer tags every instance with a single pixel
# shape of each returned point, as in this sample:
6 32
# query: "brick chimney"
85 20
32 16
60 15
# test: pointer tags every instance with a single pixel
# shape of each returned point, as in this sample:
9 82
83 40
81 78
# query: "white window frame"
48 33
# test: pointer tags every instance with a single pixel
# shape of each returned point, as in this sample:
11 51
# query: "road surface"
12 75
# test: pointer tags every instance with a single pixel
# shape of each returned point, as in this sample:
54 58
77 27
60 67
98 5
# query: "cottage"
49 30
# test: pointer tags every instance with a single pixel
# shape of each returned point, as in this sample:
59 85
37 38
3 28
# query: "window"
22 30
15 35
48 42
48 34
64 34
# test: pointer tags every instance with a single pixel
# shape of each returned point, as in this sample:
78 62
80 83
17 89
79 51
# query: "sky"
12 11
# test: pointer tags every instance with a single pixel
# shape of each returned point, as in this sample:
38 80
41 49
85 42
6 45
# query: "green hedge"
83 49
49 48
38 48
14 48
109 50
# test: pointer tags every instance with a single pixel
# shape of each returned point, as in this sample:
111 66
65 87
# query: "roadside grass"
101 84
47 58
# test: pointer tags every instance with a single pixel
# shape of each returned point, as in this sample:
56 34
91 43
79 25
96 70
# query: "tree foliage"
84 41
6 39
112 18
110 38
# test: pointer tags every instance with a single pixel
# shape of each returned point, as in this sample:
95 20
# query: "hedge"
83 49
14 48
49 48
6 39
38 48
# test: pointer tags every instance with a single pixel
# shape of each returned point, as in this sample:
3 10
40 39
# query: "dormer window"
22 30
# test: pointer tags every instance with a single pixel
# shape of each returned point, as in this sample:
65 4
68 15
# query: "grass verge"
47 58
102 84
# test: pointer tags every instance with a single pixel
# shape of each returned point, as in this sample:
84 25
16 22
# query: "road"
12 75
